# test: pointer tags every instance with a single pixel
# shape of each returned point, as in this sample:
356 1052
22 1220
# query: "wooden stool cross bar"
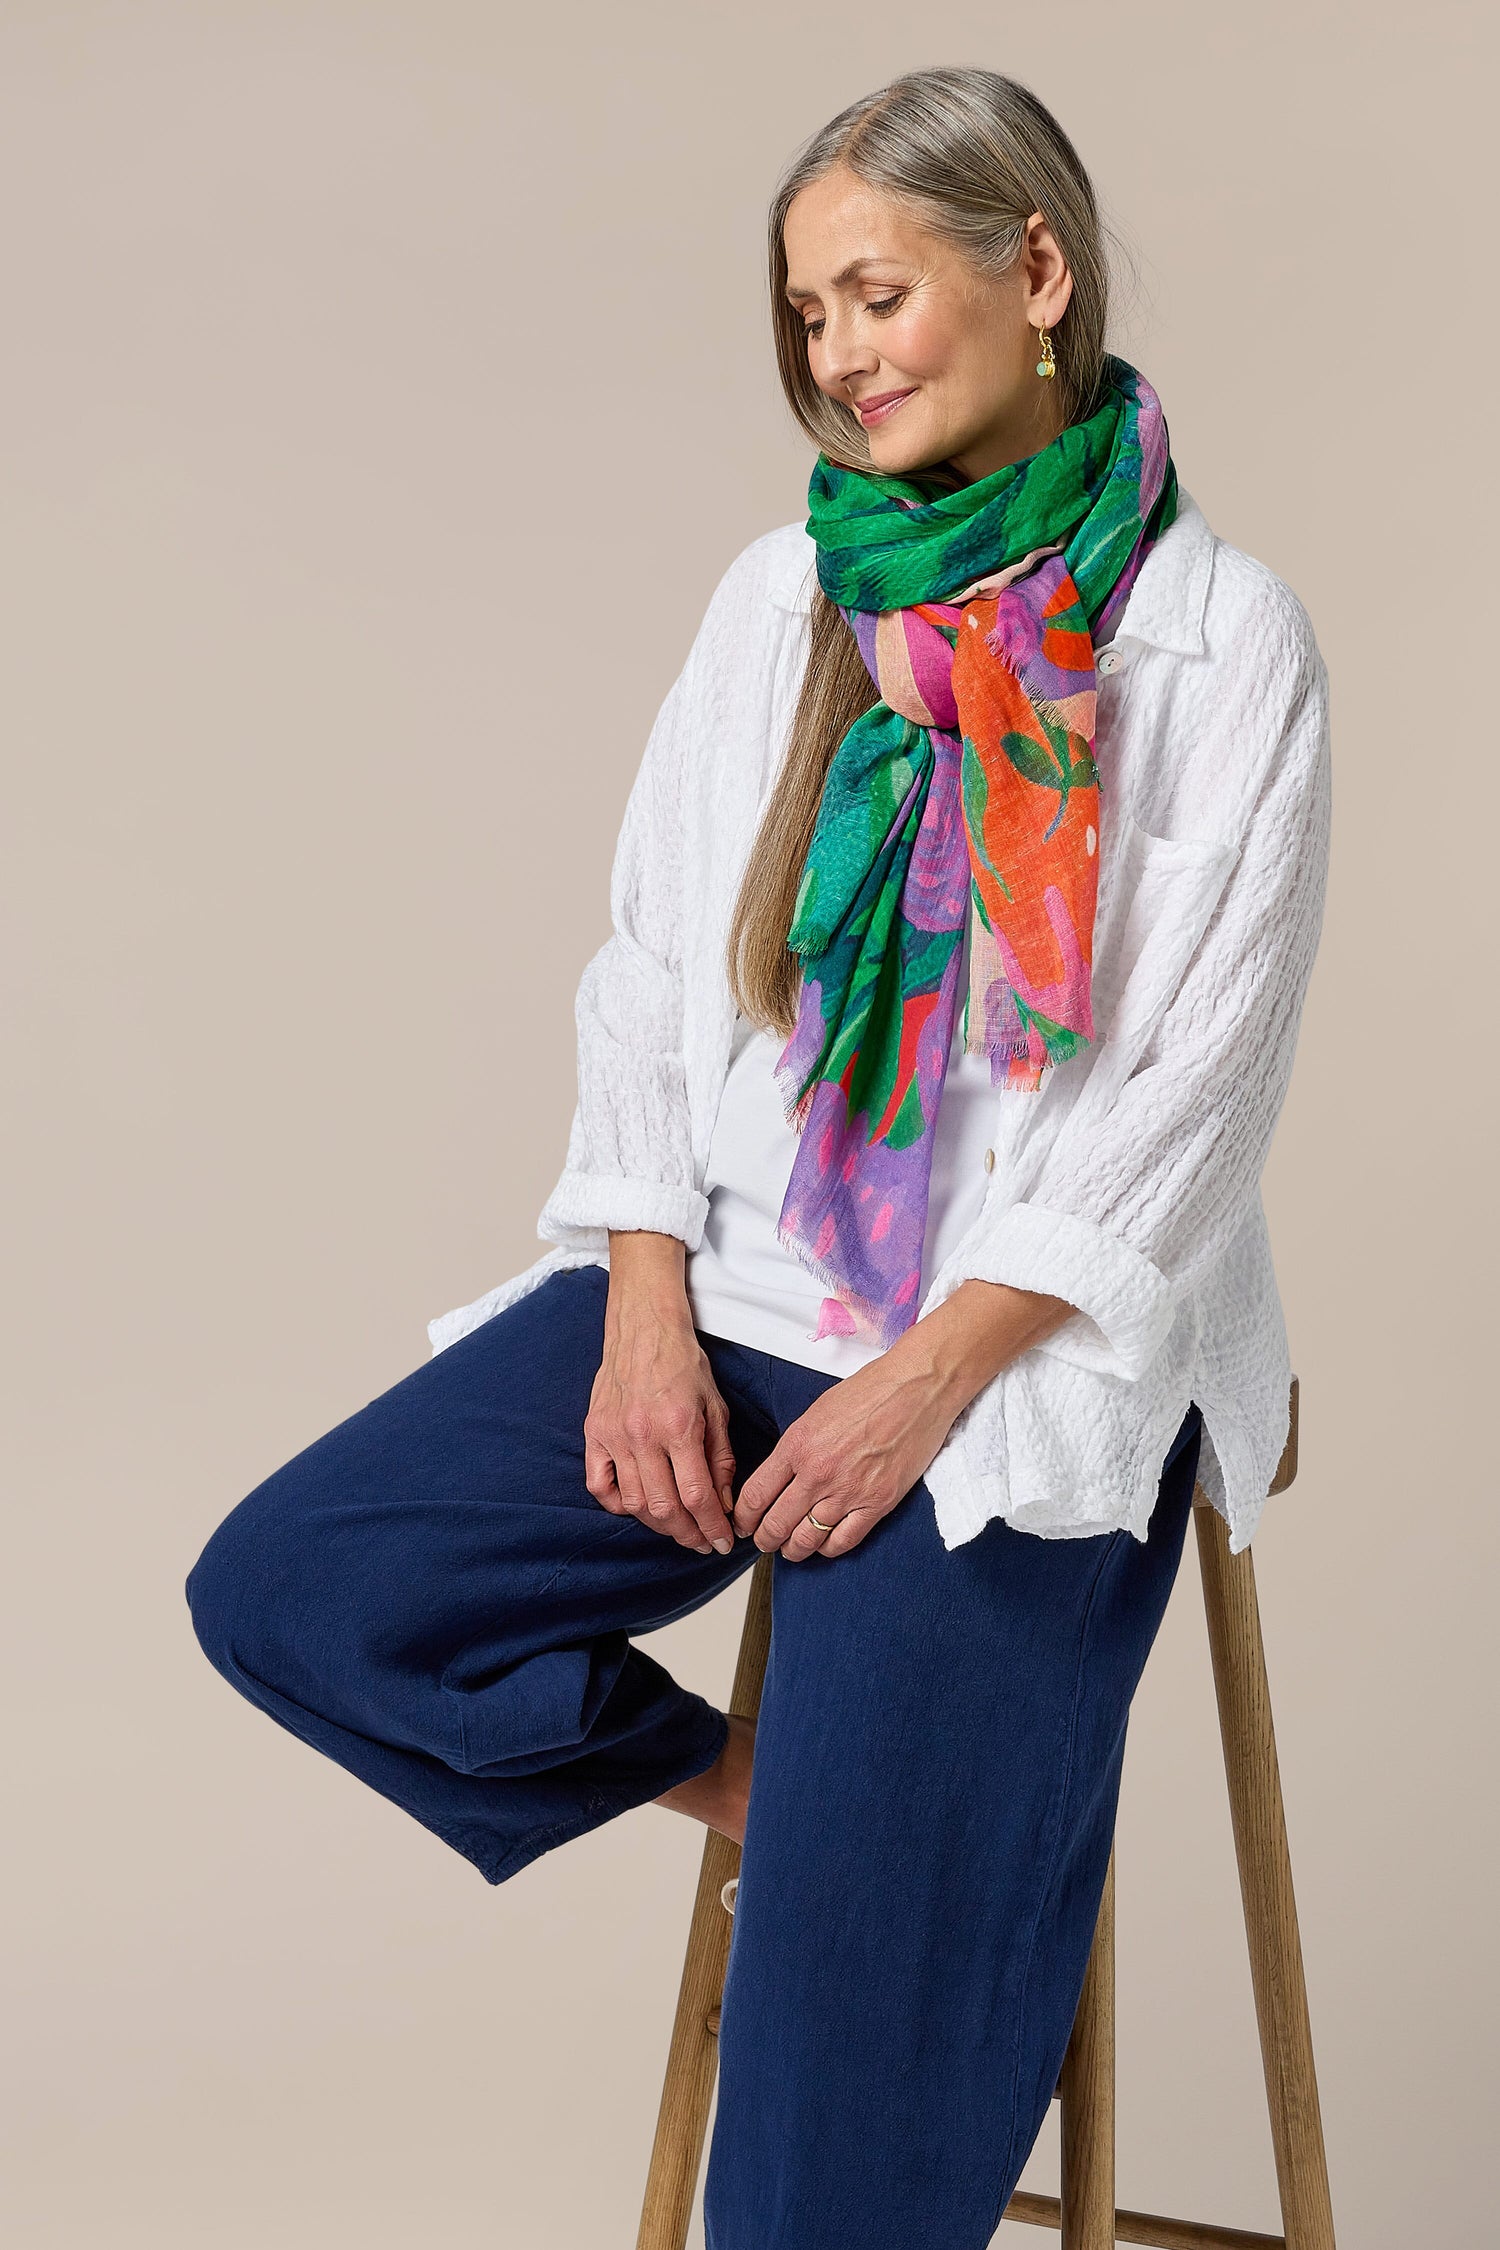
1085 2212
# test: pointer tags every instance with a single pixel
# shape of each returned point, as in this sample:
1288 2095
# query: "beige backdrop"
342 339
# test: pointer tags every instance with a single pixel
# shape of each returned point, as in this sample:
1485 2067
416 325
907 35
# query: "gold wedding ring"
821 1526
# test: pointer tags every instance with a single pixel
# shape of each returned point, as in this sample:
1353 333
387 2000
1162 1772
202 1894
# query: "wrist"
648 1275
975 1333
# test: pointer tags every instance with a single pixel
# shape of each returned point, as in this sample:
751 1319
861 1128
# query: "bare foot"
720 1796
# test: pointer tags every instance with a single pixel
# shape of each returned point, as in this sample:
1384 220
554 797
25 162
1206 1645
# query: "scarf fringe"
1033 1076
795 1106
875 1318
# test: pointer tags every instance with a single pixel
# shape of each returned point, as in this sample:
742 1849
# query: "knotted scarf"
977 612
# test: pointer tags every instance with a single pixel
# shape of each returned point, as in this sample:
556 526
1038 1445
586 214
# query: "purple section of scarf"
937 881
865 1197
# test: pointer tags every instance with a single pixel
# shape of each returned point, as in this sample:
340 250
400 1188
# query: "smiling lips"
883 403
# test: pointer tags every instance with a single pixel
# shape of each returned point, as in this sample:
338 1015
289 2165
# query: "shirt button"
1109 660
989 1160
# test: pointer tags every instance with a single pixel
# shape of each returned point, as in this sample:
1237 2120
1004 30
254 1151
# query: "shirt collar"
1165 605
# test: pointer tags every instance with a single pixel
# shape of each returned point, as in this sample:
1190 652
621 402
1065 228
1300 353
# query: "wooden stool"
1085 2212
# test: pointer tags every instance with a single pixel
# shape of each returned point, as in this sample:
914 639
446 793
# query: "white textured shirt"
1129 1185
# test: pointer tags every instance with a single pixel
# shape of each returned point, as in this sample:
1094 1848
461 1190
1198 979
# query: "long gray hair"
971 154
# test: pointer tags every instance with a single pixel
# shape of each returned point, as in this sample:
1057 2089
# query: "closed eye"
884 306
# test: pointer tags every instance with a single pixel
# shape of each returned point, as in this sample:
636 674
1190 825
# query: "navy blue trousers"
429 1595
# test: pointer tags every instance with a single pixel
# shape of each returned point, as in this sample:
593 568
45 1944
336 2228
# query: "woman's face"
938 360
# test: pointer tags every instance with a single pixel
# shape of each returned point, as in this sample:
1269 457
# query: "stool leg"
1087 2087
693 2056
1255 1802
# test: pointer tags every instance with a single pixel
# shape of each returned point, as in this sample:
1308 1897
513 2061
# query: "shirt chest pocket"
1161 895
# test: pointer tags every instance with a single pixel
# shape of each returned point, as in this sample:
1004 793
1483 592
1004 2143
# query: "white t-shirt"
742 1283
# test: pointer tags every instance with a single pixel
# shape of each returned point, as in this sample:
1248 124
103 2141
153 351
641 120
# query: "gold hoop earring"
1046 366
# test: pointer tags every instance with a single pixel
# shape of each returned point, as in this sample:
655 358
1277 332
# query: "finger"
720 1453
849 1530
758 1492
787 1514
808 1538
664 1510
695 1490
650 1471
785 1526
599 1476
633 1491
810 1490
627 1478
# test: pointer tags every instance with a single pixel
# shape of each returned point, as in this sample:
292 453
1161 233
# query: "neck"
1014 436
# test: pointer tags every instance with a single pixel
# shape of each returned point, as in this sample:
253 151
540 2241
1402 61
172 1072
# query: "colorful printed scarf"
977 611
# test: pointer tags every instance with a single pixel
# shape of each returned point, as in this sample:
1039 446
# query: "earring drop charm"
1046 366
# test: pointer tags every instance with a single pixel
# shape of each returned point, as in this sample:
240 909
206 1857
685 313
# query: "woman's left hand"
864 1442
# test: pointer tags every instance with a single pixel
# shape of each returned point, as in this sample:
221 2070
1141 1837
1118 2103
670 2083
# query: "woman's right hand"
656 1435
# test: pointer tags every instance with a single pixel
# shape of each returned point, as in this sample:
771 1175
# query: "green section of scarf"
888 542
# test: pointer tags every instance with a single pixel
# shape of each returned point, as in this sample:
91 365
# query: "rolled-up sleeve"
1128 1210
